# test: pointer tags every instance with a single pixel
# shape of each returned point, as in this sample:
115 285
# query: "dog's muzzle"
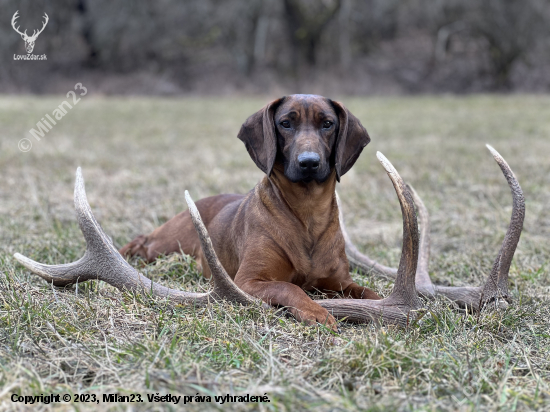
309 162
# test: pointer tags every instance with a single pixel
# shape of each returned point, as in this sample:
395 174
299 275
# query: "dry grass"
139 155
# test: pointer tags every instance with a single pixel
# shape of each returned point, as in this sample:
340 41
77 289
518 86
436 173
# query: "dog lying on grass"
283 238
286 236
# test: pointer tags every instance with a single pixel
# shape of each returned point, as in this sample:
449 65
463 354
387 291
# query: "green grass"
138 157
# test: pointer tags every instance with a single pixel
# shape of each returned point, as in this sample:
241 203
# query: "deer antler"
496 286
399 308
13 21
360 261
35 33
102 261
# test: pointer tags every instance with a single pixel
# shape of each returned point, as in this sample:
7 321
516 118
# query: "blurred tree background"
269 46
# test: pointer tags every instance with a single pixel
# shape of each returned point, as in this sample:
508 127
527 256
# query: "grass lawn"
139 155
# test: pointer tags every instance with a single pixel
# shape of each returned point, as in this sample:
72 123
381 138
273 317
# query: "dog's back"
178 235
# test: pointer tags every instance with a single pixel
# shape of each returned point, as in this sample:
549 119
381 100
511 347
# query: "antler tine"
406 272
396 308
81 270
47 19
496 286
14 18
96 239
102 261
13 22
224 287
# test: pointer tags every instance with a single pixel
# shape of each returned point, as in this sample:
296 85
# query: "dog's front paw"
314 316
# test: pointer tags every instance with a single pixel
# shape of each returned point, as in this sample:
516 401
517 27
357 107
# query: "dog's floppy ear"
259 136
352 138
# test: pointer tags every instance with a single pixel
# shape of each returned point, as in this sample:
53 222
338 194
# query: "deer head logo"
29 40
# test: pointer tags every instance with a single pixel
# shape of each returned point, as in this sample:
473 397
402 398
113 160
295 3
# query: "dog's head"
310 135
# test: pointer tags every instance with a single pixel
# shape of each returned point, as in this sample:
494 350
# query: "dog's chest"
316 258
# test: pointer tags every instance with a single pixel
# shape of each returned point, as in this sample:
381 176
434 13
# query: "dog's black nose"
309 161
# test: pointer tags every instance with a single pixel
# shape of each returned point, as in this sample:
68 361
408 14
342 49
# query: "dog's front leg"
278 293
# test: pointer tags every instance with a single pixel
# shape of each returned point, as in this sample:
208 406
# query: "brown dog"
283 237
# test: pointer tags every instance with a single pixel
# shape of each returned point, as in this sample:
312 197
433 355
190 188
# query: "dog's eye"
285 124
327 124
